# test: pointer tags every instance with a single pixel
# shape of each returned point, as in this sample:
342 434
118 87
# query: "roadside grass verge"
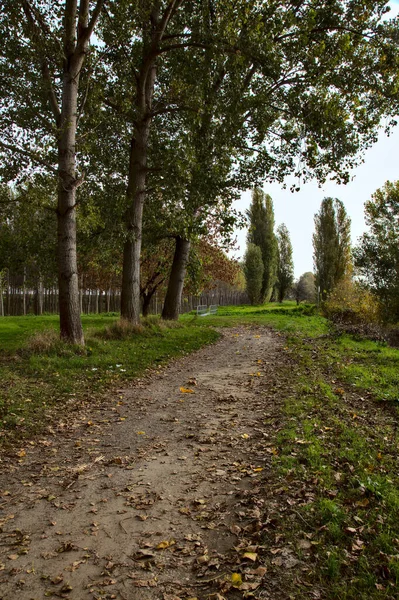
39 372
337 469
287 318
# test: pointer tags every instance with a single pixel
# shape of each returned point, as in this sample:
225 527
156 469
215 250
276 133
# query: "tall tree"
331 245
377 255
305 288
45 46
261 233
315 90
253 271
285 265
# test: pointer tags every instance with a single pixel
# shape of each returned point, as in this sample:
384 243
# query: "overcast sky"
297 210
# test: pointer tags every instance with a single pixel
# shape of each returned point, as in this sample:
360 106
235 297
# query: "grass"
347 461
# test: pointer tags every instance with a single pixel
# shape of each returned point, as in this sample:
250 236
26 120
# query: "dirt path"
151 495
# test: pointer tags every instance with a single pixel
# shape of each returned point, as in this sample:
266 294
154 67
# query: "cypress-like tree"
253 271
331 245
261 233
285 265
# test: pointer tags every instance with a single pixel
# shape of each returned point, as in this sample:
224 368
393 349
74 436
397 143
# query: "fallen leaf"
165 544
186 390
236 580
249 586
364 502
12 556
251 556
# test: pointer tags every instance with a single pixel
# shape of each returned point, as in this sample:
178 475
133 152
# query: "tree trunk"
24 293
1 297
130 295
176 280
70 321
108 300
147 297
76 37
38 304
153 33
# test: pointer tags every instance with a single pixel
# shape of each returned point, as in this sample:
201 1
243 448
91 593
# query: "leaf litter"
187 502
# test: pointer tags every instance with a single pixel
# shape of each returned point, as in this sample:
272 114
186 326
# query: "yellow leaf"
165 544
245 436
141 433
251 556
236 580
21 453
186 390
258 469
364 502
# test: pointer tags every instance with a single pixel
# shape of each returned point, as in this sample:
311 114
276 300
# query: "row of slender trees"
373 263
150 117
268 262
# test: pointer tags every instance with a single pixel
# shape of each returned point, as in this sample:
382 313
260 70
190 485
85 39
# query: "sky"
297 210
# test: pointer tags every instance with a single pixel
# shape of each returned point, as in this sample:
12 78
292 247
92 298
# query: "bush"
350 303
49 342
123 329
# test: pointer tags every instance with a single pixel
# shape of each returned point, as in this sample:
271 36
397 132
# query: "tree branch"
70 27
33 156
86 29
51 93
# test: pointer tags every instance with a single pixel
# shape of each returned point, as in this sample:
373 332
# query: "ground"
155 493
263 466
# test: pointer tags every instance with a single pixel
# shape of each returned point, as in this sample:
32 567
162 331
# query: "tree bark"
1 296
147 297
176 280
136 190
77 33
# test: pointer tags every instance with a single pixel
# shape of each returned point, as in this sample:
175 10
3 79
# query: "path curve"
149 496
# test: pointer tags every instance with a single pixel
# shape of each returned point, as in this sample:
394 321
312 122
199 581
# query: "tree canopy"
331 245
377 254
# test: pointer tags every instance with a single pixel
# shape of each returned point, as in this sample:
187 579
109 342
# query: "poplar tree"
331 245
253 271
44 51
261 234
377 253
285 264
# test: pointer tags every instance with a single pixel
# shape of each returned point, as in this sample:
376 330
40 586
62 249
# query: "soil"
154 494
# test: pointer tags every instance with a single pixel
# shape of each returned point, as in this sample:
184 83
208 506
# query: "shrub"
123 329
49 342
350 303
42 342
